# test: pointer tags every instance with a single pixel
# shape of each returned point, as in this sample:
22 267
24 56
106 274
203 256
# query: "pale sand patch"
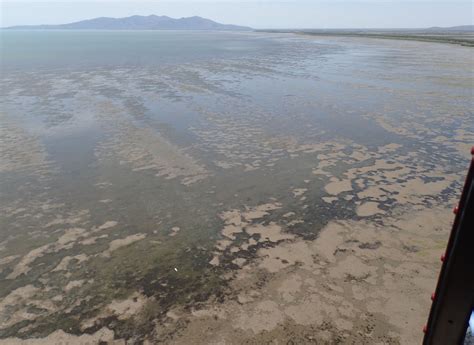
330 199
93 239
23 266
57 298
174 231
74 218
417 186
239 261
74 284
389 148
288 214
65 241
250 167
71 235
16 298
250 242
271 232
223 244
124 309
324 163
353 268
290 287
284 255
244 246
337 186
61 337
264 316
392 176
360 156
260 211
384 122
463 141
319 171
311 312
299 192
244 299
378 167
375 192
295 222
215 261
214 311
193 179
223 165
122 242
237 221
15 306
369 208
103 185
411 191
107 225
64 263
293 146
329 240
8 259
173 315
381 180
229 231
231 217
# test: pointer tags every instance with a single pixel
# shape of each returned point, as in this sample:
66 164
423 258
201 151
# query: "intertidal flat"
226 188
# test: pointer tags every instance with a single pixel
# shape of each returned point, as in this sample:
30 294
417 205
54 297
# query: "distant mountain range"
154 22
151 22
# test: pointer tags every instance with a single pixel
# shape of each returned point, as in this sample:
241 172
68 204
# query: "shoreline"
435 38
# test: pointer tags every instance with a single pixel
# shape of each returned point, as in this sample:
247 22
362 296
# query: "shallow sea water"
153 167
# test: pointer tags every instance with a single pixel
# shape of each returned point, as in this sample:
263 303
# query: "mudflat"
226 188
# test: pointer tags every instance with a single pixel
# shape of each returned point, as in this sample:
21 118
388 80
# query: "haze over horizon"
256 14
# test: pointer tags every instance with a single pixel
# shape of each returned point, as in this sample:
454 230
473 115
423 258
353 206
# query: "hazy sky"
257 14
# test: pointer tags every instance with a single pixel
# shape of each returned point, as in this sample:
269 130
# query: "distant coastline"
461 35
